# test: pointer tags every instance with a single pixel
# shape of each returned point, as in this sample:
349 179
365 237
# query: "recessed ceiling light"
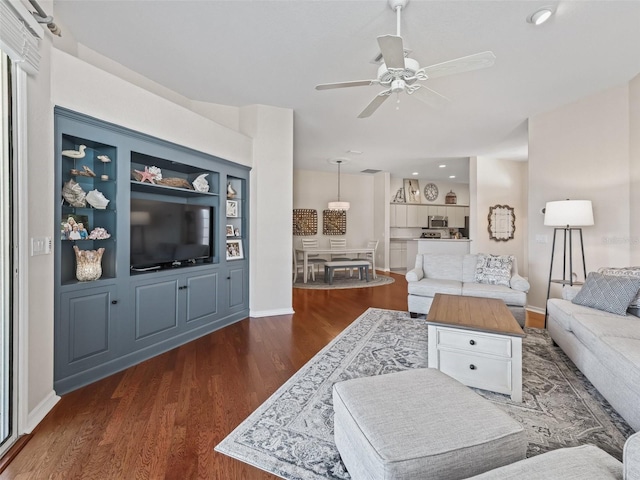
540 16
415 173
452 176
442 166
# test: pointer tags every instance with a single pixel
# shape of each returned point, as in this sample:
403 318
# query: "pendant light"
342 206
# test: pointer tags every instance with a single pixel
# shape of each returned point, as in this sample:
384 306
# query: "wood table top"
473 313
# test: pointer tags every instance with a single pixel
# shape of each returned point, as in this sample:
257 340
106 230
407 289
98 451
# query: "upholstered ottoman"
421 424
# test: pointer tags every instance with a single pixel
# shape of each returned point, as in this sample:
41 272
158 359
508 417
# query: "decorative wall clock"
431 191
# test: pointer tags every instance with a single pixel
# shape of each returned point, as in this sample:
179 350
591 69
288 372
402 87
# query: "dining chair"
369 256
312 259
298 266
340 244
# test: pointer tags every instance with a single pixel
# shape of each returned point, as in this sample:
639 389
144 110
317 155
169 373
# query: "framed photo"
230 231
236 232
232 208
74 227
412 190
234 250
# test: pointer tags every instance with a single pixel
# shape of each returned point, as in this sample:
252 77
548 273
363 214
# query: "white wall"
581 151
271 203
37 395
634 165
315 190
501 182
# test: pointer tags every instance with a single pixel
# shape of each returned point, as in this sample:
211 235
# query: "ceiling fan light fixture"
540 16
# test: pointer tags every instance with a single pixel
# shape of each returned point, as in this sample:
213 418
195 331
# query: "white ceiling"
244 52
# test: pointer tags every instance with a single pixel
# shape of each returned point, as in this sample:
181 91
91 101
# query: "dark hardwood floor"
162 418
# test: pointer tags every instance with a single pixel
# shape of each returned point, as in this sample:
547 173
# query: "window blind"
19 35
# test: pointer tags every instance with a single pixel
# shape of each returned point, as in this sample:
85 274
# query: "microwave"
438 221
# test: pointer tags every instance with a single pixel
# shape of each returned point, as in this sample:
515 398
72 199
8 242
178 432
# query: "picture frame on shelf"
74 227
234 250
229 230
236 232
232 208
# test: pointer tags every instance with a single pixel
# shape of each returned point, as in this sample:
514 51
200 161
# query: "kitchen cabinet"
398 255
412 216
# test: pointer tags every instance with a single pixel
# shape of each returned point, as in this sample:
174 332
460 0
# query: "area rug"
342 280
291 434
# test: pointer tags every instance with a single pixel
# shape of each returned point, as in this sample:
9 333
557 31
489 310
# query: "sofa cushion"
506 294
563 312
494 269
631 457
608 293
442 266
428 287
615 341
469 263
627 272
576 463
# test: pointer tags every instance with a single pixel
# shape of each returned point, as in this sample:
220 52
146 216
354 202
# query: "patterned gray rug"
342 280
291 434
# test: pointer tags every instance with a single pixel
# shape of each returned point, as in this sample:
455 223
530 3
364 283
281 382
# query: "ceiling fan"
401 74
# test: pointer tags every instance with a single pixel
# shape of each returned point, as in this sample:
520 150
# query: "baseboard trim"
271 313
37 414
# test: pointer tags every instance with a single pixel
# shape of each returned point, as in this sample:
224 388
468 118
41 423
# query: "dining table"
335 251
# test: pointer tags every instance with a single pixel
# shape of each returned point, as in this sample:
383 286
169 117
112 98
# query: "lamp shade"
339 206
568 213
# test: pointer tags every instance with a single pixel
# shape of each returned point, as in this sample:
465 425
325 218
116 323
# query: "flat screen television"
167 234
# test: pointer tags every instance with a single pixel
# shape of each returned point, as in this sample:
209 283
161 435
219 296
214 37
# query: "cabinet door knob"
228 278
113 302
472 342
472 366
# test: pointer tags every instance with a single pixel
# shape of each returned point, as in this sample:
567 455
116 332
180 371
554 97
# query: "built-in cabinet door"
397 255
413 215
423 216
85 329
401 215
155 309
201 297
235 284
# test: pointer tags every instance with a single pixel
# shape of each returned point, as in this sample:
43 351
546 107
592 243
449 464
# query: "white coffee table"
476 341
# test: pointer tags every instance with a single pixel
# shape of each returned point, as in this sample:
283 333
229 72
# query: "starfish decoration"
146 175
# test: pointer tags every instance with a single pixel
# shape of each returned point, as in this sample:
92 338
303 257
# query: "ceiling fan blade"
355 83
430 97
459 65
375 103
392 50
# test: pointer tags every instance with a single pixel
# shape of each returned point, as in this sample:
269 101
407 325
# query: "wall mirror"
502 223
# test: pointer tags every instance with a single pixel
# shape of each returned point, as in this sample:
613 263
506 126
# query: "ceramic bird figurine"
75 153
104 158
230 191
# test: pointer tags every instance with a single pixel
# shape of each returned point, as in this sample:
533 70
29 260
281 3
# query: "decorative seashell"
74 195
97 200
104 158
75 153
99 233
156 172
85 172
230 191
201 184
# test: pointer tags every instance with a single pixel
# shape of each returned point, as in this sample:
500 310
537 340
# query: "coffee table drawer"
474 342
488 373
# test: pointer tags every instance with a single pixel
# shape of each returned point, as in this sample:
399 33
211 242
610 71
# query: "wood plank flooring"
161 419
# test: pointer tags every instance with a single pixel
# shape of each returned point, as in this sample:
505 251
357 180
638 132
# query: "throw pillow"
626 272
494 269
609 293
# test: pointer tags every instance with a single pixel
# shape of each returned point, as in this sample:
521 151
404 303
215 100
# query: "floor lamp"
567 216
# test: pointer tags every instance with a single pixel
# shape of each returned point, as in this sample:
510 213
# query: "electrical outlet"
40 246
542 239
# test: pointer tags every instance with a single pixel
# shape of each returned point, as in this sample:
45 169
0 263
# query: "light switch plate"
40 246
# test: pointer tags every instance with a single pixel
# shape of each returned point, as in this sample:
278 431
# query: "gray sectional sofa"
604 346
458 275
577 463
